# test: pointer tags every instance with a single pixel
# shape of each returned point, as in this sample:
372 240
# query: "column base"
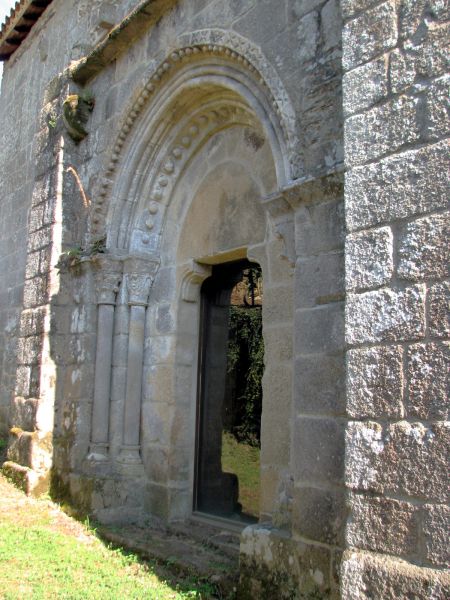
98 452
130 455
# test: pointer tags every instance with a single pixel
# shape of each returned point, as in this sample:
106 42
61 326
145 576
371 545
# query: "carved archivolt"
202 48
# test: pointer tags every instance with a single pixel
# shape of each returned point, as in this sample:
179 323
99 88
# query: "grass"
45 554
243 460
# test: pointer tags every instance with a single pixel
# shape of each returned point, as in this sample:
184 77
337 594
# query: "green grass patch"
39 563
243 460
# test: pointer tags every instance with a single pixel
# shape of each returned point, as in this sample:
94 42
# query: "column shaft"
102 383
132 416
107 281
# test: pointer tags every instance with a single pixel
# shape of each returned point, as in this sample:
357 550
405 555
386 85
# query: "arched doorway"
194 189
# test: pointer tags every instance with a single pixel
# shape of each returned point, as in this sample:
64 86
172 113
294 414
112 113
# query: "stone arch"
205 63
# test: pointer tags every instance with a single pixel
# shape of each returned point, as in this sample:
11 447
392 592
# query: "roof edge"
17 26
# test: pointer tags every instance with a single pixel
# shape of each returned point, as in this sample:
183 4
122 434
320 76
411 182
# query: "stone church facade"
144 144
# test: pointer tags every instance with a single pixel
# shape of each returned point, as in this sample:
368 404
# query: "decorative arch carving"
208 57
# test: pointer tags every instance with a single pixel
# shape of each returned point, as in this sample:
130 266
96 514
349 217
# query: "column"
107 287
140 277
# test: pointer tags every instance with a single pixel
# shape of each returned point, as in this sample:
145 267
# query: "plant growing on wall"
73 257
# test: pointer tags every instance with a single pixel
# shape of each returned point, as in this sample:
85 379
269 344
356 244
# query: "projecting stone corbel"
76 110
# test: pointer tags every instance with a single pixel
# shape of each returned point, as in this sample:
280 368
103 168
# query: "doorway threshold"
230 524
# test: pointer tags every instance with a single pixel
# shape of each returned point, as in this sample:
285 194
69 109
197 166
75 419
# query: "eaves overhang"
17 26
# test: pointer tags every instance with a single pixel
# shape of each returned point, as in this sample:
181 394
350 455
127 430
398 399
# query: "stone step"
208 552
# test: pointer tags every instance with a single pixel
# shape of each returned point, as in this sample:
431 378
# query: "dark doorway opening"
230 393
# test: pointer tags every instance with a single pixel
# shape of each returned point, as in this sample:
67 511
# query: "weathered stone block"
402 72
424 251
319 280
377 27
156 459
368 258
424 56
430 56
273 565
436 525
319 515
437 118
410 183
40 239
32 266
329 17
298 8
319 228
365 86
350 7
319 384
35 292
157 420
23 413
402 458
31 449
428 366
277 344
29 350
375 382
23 376
438 310
366 575
319 329
278 304
386 315
308 36
380 130
157 500
413 13
383 525
31 482
318 447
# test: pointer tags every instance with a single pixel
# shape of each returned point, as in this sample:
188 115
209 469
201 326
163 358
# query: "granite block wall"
397 257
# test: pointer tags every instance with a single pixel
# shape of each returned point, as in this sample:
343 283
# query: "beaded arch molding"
229 46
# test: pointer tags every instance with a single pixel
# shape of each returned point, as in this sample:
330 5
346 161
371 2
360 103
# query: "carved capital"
138 288
108 275
107 285
140 273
